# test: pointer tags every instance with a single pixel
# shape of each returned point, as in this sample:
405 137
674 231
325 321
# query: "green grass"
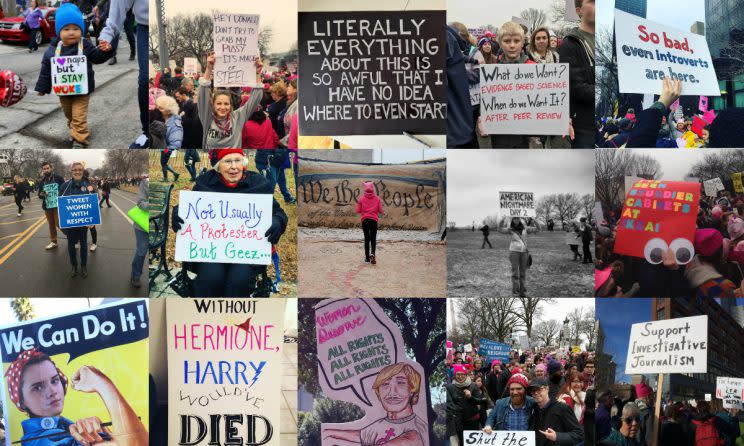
476 272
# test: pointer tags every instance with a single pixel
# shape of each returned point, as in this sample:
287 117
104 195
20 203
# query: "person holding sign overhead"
222 126
67 71
518 255
77 186
231 175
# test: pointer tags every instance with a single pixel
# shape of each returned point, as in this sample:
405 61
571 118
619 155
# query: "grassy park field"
474 272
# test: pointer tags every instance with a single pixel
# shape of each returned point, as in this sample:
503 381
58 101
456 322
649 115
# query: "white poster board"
524 99
524 342
647 52
224 368
499 438
235 39
712 186
190 66
668 346
468 348
69 75
571 11
731 391
517 204
224 228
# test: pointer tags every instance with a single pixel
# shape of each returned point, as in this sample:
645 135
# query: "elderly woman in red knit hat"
231 175
36 386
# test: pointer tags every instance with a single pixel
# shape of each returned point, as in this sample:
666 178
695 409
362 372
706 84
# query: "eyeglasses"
630 420
236 161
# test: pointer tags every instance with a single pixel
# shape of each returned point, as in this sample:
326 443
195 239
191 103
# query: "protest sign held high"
361 357
190 66
648 52
372 72
731 391
78 210
736 179
235 39
494 350
97 361
224 371
657 215
525 99
517 204
224 228
499 438
668 346
712 186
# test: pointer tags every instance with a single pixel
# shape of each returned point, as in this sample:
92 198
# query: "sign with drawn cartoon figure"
361 360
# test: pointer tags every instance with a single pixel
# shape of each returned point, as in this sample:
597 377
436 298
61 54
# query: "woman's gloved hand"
274 232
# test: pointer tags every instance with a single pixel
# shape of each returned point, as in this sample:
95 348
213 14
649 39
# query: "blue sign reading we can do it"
78 210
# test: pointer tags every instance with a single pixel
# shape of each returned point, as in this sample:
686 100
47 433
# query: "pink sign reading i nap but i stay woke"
361 360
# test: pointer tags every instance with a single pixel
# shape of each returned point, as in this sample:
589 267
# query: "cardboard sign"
105 343
657 215
78 210
190 66
52 192
524 342
474 91
362 360
235 39
712 186
499 438
517 204
412 195
648 52
372 73
477 32
494 350
668 346
736 179
224 371
224 228
69 75
731 391
524 99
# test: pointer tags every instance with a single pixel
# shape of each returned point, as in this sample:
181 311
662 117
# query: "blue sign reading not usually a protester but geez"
78 210
494 350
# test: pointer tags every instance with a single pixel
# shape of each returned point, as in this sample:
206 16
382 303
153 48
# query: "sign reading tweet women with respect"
362 360
224 228
648 52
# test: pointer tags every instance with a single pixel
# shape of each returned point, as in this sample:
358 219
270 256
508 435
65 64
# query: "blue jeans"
278 174
32 39
225 280
140 253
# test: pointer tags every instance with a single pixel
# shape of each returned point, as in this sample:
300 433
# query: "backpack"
706 433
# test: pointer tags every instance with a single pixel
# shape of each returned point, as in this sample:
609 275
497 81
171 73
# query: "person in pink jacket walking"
369 207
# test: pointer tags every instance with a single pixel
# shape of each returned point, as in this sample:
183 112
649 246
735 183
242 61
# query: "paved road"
26 269
113 114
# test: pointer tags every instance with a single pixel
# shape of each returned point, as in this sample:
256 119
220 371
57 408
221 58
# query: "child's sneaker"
77 145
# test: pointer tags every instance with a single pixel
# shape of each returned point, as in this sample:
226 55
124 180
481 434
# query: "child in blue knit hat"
61 71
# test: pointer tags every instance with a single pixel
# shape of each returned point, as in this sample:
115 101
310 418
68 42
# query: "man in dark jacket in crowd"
602 415
460 130
555 423
555 376
485 230
504 378
577 50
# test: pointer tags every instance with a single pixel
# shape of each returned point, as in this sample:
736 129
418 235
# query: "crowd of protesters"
664 125
187 113
513 43
715 270
682 422
549 391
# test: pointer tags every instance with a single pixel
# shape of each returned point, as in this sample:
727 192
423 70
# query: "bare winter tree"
577 324
588 328
545 208
567 206
546 332
484 315
27 162
530 309
535 18
125 163
647 167
610 168
559 24
587 205
607 86
718 165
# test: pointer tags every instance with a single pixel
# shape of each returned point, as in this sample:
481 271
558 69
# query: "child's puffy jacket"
95 56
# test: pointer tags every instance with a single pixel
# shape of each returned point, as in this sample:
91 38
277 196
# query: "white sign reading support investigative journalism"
668 346
647 52
224 228
499 438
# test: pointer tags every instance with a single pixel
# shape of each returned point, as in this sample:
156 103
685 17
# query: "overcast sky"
475 176
281 15
477 13
93 158
557 311
668 12
676 163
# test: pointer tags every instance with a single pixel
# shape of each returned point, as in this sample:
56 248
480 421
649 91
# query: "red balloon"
12 88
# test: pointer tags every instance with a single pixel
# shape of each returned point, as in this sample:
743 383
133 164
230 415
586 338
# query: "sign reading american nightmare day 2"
372 72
